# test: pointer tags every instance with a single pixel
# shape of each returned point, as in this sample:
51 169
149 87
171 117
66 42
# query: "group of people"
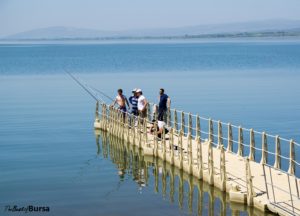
137 106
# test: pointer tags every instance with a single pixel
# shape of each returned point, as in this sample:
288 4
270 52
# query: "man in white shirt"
142 104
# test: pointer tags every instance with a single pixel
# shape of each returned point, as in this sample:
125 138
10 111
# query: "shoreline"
156 40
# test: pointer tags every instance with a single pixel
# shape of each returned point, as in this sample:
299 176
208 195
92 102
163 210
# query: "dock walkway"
229 163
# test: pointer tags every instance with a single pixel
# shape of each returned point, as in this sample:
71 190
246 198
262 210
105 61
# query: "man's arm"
113 104
169 102
160 131
146 104
127 101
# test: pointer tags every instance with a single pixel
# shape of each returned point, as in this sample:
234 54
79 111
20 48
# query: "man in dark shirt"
164 104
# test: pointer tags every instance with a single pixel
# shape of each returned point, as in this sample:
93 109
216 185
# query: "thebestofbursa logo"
27 209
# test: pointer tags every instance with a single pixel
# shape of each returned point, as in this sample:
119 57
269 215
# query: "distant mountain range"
242 29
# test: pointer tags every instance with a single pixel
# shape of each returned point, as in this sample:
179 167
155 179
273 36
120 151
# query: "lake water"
51 156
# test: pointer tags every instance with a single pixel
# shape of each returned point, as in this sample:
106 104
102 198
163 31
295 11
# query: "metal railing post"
169 117
250 191
198 128
175 122
230 138
240 151
211 130
220 134
199 157
97 112
252 146
264 156
210 163
190 153
277 163
182 122
190 123
292 158
223 169
171 143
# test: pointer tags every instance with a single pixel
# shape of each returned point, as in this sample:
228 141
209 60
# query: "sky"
22 15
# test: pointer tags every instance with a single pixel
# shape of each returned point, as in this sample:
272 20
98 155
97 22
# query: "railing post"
169 117
123 120
104 117
155 139
110 122
190 153
116 123
198 128
119 113
114 119
97 112
164 144
190 123
250 191
175 122
210 164
120 123
128 117
149 113
230 138
264 156
241 142
171 143
154 112
211 130
223 169
180 139
140 125
199 157
292 158
220 134
182 122
252 146
277 163
133 131
145 132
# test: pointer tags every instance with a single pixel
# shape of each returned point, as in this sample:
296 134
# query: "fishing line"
84 86
105 95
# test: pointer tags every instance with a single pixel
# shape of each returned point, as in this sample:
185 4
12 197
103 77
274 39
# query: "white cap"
138 90
134 90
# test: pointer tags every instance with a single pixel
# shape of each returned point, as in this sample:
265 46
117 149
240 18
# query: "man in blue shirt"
133 100
164 104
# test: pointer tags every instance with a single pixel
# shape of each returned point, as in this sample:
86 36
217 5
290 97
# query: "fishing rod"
105 95
84 87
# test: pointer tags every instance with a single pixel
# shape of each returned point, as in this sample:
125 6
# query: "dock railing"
257 146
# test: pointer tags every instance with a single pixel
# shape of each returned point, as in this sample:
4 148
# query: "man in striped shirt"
133 100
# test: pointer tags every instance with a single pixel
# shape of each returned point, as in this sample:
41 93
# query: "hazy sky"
22 15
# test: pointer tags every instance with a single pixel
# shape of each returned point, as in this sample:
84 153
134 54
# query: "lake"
51 156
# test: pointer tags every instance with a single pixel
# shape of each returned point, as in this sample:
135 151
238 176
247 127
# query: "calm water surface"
51 156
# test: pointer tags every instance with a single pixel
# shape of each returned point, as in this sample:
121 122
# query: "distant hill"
200 30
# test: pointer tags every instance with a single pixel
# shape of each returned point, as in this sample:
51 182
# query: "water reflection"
191 195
